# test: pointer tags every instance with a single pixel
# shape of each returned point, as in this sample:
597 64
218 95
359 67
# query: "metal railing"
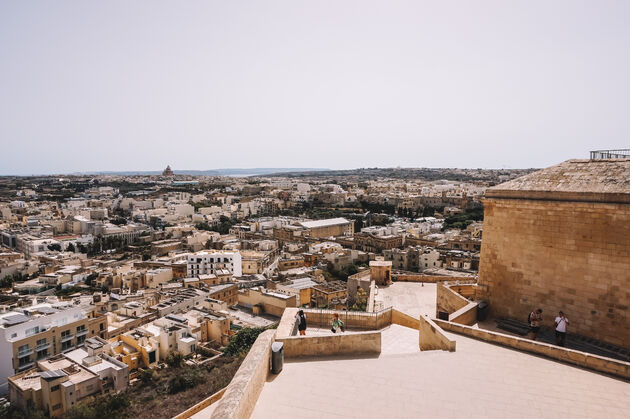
353 320
622 153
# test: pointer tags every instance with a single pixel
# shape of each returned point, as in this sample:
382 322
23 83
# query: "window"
41 342
102 327
57 406
31 331
54 388
24 360
65 333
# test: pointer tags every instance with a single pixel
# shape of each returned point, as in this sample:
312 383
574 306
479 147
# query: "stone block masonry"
559 255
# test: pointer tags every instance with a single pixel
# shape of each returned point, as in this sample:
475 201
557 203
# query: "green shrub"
175 359
188 379
243 340
146 376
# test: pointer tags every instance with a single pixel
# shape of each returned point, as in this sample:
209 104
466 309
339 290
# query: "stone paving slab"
478 380
411 298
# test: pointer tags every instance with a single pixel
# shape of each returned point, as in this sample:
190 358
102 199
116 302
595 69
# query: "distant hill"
257 171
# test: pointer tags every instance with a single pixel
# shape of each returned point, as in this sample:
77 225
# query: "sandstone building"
559 239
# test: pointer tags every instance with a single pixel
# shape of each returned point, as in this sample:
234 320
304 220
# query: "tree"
6 282
90 278
70 248
55 247
243 340
175 359
361 302
118 221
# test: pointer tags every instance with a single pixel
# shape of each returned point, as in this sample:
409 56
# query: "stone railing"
353 320
582 359
431 336
241 394
466 315
360 343
456 305
431 279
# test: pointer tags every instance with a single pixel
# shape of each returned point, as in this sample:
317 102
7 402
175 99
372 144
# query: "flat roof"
324 223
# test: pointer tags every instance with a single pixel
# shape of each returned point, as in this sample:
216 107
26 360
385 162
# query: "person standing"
301 318
561 329
535 318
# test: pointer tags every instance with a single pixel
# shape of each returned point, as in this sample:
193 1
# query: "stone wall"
410 277
582 359
466 315
448 300
404 320
241 394
559 255
360 343
355 320
431 337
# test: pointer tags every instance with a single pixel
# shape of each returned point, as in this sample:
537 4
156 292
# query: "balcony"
42 347
82 332
610 154
22 354
67 338
25 366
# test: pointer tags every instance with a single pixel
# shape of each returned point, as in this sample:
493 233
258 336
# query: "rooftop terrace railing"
623 153
357 320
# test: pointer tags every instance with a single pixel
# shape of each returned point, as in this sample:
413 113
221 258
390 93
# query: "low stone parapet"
431 336
361 343
466 315
582 359
241 394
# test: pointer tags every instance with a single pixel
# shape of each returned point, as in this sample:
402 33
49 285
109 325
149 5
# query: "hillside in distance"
422 173
256 171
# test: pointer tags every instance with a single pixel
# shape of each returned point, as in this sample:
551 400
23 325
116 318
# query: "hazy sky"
137 85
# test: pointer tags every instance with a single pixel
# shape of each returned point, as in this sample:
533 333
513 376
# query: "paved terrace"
411 298
478 380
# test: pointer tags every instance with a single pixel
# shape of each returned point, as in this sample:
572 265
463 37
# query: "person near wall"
301 319
535 318
337 323
561 329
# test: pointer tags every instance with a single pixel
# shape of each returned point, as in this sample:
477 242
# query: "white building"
172 334
202 263
94 356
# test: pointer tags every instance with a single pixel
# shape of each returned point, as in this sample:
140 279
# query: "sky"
136 85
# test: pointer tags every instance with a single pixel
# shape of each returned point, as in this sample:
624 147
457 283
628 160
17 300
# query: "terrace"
386 365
